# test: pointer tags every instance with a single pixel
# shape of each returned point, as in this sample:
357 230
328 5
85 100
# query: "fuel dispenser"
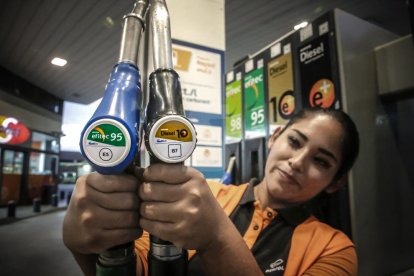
234 125
233 152
254 119
110 140
254 157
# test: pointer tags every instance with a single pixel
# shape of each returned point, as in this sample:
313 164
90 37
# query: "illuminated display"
12 132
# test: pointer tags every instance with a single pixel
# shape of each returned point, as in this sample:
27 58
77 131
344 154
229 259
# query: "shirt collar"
248 195
294 215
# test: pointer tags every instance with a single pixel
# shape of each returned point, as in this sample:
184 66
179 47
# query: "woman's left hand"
178 206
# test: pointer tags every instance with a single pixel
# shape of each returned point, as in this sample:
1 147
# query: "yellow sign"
281 98
174 130
181 59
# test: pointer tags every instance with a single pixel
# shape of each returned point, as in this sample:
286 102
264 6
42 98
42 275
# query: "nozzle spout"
134 24
161 35
231 164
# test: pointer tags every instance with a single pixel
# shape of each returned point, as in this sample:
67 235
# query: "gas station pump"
254 157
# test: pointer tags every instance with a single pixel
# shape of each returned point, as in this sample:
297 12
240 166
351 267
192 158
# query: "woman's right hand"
103 212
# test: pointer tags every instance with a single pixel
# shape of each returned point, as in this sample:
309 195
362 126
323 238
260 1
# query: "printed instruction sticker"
107 143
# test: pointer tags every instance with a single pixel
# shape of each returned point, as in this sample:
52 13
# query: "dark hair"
350 144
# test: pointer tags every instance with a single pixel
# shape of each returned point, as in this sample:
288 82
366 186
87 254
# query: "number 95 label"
106 142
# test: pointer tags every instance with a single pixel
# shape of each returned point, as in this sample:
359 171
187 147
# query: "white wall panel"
198 21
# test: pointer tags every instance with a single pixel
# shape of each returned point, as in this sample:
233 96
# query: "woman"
263 229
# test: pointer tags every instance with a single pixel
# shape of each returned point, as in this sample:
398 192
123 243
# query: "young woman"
251 229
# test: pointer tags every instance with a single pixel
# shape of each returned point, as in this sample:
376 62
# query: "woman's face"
303 160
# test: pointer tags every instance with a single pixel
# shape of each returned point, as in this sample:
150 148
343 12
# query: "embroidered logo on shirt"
276 266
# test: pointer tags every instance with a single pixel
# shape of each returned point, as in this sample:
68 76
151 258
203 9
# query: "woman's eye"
322 162
293 142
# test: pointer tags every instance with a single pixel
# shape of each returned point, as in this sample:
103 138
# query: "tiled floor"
33 246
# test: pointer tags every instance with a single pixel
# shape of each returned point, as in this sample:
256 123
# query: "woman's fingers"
103 212
162 230
178 206
125 201
112 183
98 242
168 173
104 219
169 182
167 212
121 219
157 191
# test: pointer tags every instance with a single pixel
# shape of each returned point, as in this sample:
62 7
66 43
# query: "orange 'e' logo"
322 94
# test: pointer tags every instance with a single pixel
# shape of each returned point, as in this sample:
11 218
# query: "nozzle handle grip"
174 267
126 269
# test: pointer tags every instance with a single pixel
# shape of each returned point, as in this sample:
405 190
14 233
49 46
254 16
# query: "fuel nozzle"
227 177
169 136
134 25
110 139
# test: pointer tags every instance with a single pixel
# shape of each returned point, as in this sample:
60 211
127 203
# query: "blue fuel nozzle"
110 140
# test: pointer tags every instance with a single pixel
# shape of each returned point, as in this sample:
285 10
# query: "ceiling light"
109 22
59 61
319 9
301 25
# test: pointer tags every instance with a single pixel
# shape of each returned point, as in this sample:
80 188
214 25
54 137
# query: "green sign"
254 109
234 111
107 134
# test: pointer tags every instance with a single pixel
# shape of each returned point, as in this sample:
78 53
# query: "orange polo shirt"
301 244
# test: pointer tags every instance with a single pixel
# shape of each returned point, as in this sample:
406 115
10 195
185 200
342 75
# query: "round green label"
106 142
107 134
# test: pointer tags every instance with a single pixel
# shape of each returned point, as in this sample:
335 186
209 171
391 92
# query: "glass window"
11 176
45 142
12 162
42 174
42 163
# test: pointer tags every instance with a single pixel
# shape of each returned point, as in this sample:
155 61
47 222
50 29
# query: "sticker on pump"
172 139
106 142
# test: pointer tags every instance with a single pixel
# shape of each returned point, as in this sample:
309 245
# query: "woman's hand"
103 212
178 206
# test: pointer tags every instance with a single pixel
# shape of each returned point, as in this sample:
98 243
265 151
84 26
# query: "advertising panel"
318 72
281 90
234 124
207 157
254 103
201 73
